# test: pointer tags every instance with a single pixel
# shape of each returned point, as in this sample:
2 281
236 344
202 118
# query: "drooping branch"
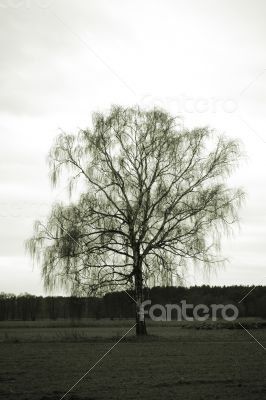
151 193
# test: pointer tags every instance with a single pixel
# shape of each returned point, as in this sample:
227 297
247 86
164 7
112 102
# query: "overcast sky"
61 60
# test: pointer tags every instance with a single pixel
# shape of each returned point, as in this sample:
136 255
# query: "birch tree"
154 197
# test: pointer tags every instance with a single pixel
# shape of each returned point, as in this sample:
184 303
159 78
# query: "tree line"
112 305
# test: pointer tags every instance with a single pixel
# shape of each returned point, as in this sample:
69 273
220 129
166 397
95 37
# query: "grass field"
172 363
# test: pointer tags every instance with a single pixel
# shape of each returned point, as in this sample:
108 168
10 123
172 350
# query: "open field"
172 363
106 329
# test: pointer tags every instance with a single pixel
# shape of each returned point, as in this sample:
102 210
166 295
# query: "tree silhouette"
153 197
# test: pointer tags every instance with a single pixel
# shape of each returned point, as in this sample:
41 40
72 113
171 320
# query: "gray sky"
61 60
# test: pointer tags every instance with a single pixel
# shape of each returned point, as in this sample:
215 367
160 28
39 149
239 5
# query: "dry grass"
182 364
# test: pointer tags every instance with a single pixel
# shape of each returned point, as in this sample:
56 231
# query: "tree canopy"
153 197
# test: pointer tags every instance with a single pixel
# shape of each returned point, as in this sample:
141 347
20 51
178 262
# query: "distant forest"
27 307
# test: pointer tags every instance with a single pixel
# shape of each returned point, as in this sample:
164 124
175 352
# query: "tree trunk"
140 316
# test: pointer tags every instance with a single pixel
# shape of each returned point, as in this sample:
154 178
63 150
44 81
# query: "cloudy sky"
60 60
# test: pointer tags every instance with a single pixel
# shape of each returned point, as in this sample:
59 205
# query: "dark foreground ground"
172 363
